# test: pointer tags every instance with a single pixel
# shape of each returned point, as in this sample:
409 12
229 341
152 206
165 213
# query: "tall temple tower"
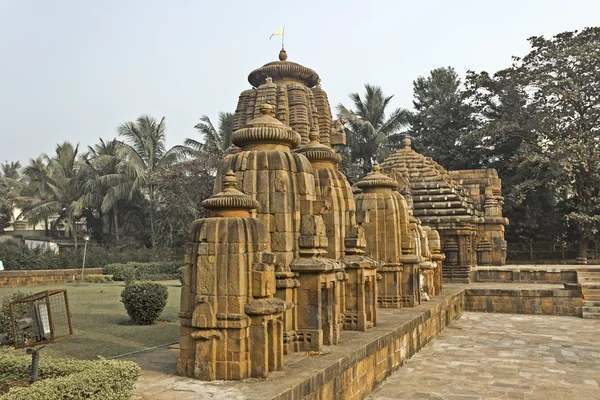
283 264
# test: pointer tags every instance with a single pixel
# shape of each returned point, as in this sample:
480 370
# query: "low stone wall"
523 275
567 302
43 277
356 374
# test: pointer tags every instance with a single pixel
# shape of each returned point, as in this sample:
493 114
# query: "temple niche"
465 207
286 262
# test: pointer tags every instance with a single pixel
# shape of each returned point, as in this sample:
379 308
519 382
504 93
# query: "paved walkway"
503 356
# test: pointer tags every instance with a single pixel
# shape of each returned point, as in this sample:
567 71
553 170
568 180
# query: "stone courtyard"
503 356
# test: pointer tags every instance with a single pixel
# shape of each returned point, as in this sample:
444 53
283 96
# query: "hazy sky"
75 70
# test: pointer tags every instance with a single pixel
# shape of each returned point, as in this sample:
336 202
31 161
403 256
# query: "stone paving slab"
503 356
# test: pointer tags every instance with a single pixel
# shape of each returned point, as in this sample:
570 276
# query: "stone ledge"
42 277
524 274
565 302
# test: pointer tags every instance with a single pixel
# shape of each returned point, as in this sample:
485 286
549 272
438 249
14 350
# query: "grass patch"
101 323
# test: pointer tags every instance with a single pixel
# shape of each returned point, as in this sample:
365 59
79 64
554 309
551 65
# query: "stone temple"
465 207
291 256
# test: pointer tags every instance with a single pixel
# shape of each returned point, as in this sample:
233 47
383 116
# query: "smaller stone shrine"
385 229
398 240
231 324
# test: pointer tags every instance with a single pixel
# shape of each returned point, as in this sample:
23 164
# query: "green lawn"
101 324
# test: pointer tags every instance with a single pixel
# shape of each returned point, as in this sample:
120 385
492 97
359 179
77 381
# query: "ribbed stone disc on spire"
283 70
230 198
316 151
375 179
266 129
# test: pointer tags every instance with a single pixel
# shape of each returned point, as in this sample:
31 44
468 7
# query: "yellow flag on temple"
277 32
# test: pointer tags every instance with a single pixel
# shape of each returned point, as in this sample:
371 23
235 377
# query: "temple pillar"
319 293
361 285
287 284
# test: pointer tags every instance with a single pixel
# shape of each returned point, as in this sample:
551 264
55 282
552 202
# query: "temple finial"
407 142
282 55
314 136
229 181
266 109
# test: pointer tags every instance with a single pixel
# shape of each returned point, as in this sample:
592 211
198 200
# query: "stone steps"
456 274
590 286
588 293
587 279
590 312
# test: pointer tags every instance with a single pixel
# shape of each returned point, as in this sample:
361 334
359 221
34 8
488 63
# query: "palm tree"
9 180
370 133
55 188
100 168
11 170
215 141
144 154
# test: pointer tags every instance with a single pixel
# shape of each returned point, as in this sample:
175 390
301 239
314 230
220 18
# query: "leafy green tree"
442 120
144 155
561 76
370 133
506 131
181 190
541 129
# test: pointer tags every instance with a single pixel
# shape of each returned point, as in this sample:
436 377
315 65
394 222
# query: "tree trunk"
74 235
584 239
152 232
116 222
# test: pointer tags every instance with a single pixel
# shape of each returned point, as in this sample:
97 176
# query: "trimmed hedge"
182 275
67 379
18 257
144 301
93 278
150 271
6 333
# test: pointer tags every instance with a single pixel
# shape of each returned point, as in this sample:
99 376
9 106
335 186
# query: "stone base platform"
362 360
349 370
536 273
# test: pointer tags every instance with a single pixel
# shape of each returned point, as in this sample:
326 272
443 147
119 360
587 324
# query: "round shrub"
144 301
